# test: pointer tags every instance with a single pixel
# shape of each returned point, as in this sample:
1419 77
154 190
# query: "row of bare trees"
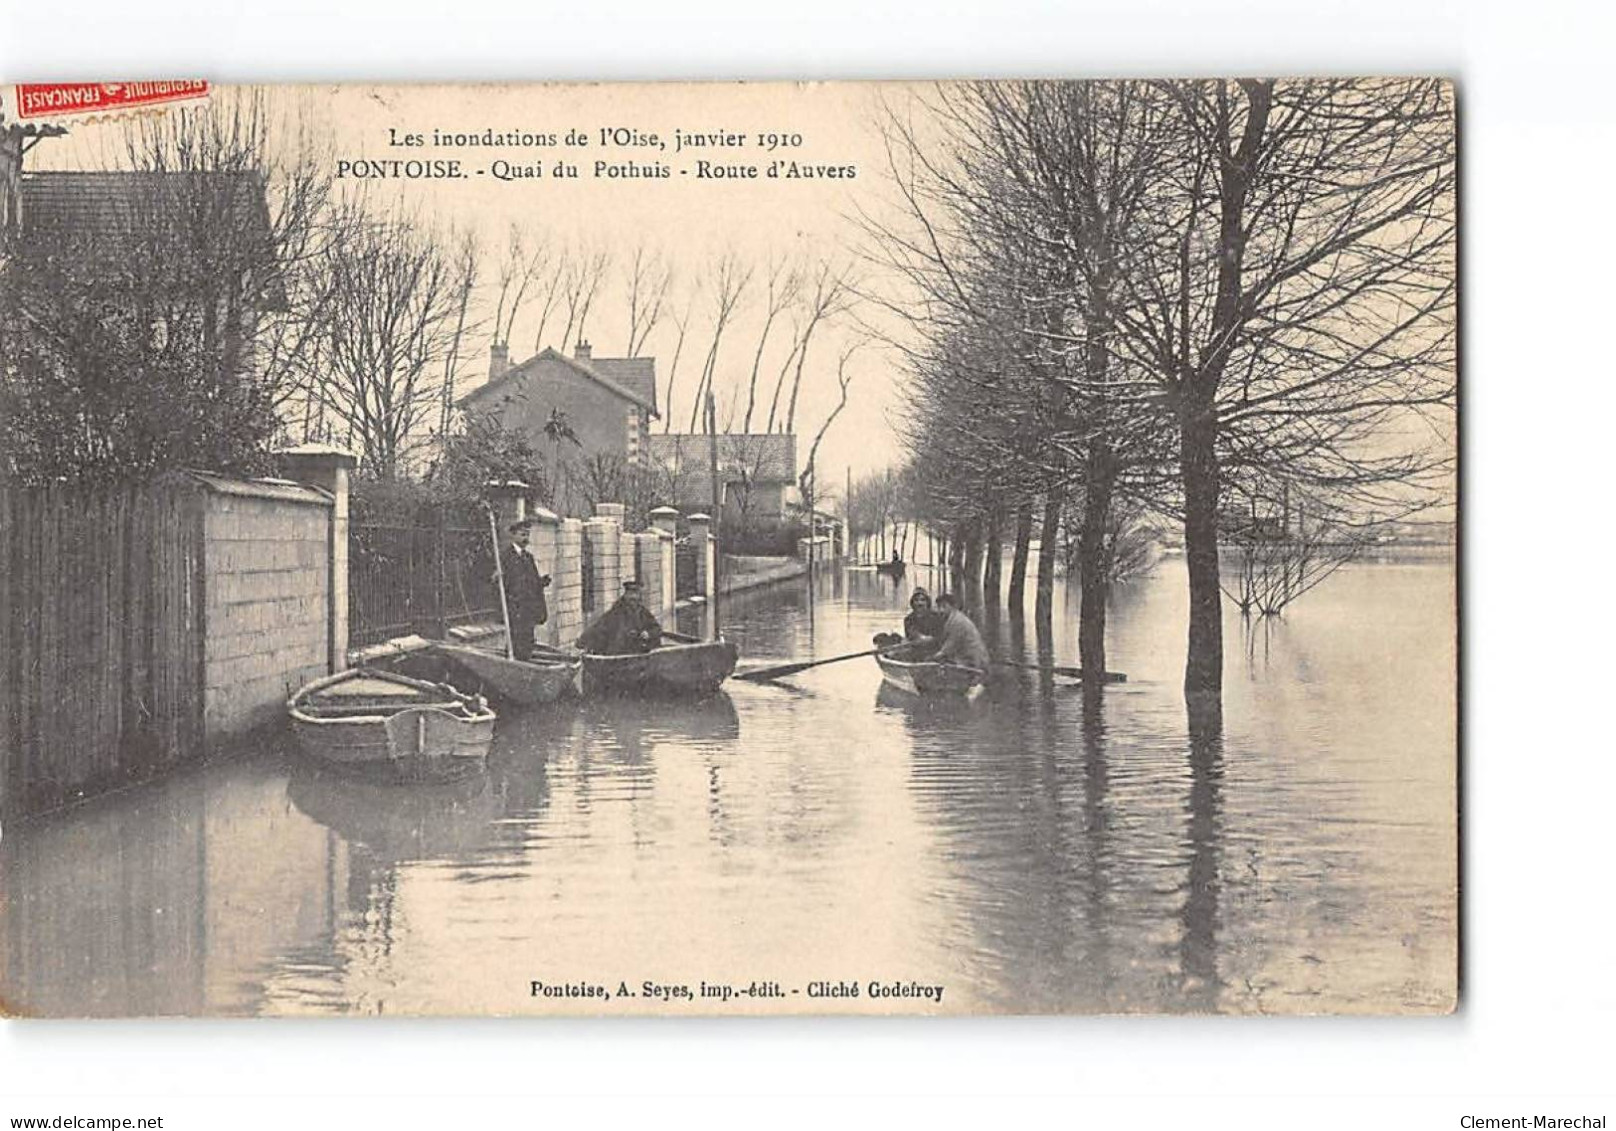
1173 298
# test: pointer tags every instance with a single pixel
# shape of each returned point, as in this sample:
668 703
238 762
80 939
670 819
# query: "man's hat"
631 583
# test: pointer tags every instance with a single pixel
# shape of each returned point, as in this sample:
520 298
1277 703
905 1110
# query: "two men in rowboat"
625 629
944 634
524 591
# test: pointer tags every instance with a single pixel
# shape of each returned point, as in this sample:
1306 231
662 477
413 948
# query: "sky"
689 219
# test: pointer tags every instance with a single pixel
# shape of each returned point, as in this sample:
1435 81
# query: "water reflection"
1045 846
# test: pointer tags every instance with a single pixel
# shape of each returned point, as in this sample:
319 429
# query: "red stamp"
58 100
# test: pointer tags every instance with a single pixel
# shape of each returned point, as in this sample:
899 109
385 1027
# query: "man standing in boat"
625 629
524 591
959 642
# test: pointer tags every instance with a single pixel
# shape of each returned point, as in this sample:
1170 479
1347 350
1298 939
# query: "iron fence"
422 578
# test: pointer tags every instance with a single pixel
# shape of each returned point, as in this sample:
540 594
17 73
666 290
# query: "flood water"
1029 851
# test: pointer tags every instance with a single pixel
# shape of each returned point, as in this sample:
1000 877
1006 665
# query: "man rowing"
625 629
959 641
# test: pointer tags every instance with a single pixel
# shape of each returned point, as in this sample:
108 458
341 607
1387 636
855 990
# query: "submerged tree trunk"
1198 465
993 560
1048 531
1095 579
973 555
1018 561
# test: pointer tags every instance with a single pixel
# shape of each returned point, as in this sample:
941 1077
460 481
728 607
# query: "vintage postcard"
728 549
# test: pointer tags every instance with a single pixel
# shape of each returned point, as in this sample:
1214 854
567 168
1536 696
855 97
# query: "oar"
1075 673
499 578
758 675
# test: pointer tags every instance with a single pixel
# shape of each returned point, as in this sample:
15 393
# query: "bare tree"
781 289
681 319
586 271
649 278
396 297
831 294
467 272
1291 290
730 279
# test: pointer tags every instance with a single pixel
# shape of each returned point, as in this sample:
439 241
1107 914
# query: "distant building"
758 473
607 402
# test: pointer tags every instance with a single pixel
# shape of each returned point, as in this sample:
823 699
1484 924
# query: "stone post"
605 554
327 467
648 555
701 537
567 584
543 542
665 524
509 500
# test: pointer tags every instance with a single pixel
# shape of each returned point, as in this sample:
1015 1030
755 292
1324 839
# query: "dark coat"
524 586
622 630
927 623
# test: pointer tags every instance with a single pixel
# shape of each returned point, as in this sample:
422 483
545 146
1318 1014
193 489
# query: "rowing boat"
695 668
893 569
526 683
926 677
407 729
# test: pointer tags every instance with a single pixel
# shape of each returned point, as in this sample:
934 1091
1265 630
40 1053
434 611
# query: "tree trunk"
993 564
1095 571
1198 466
1018 562
1048 531
973 555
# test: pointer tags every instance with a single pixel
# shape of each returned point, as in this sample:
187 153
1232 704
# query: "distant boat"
926 677
526 683
689 667
893 569
407 729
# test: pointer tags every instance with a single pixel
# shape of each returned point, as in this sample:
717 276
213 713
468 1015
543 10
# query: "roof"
767 457
632 378
636 374
104 207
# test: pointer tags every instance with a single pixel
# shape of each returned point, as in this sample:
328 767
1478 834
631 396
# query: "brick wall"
268 599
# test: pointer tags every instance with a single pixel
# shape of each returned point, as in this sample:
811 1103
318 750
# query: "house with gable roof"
608 402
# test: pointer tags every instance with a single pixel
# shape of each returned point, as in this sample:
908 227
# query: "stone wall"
268 598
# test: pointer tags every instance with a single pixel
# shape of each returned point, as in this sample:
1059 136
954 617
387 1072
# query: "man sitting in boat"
625 629
960 642
921 627
524 590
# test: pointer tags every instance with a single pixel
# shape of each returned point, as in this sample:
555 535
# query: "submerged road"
824 844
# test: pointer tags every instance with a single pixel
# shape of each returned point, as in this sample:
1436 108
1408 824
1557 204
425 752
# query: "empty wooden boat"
379 722
544 678
907 670
694 668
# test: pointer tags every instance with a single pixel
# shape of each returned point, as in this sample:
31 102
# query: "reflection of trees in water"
1057 864
1198 948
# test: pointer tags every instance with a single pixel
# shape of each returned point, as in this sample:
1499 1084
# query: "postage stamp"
81 101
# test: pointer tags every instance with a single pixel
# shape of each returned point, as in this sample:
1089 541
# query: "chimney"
499 360
583 350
